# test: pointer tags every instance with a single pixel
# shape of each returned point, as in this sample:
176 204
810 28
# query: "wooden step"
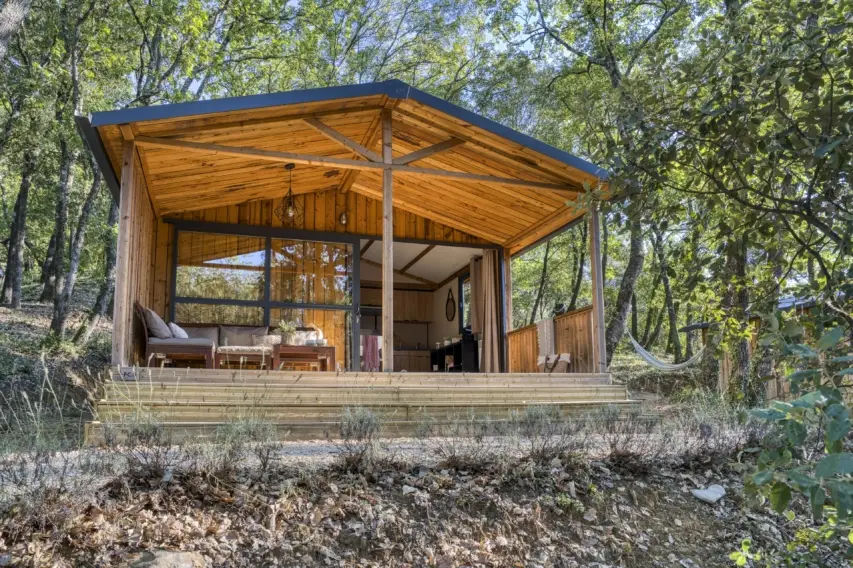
316 429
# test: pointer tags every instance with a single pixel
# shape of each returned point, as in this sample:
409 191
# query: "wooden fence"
573 334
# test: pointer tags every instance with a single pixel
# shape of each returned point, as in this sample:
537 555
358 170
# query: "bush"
359 432
549 434
468 441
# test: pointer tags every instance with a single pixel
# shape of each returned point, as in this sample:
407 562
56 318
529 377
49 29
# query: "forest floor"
411 505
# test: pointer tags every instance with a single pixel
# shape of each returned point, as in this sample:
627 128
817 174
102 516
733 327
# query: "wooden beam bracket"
428 151
344 141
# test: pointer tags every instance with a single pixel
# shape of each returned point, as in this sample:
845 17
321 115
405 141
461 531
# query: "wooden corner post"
599 347
122 322
387 246
507 304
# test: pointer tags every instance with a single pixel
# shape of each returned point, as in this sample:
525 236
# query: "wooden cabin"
362 216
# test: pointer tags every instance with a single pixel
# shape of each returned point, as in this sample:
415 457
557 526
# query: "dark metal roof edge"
93 140
247 102
393 88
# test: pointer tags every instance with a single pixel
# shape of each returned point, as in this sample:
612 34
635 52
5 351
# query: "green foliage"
809 454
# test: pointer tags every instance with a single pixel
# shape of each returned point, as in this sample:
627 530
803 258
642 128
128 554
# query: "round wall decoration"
450 307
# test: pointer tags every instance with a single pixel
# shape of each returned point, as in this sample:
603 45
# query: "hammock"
657 363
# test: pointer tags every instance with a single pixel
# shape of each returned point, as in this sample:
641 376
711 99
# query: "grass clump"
547 434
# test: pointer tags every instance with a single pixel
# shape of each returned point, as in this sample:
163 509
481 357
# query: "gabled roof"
186 178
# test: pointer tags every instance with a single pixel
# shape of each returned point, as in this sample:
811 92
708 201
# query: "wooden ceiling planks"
511 215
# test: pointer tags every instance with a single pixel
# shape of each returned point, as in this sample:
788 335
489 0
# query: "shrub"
549 434
629 436
464 441
359 433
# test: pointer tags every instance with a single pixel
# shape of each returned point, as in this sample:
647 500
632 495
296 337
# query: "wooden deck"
194 402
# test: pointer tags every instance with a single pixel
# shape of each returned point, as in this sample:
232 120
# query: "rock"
501 541
408 489
169 559
710 495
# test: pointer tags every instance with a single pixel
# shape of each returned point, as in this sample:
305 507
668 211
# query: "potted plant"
286 329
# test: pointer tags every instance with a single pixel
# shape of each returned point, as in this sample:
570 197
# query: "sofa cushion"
177 331
245 350
211 333
156 326
267 340
230 336
176 342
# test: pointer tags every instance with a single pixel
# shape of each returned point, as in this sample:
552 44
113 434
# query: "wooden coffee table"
324 356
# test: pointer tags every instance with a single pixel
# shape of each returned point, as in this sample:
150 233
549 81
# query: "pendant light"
289 209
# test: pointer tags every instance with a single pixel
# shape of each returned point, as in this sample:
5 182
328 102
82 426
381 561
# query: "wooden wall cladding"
409 305
573 334
142 228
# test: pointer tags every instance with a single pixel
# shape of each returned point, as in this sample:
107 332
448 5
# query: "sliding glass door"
223 276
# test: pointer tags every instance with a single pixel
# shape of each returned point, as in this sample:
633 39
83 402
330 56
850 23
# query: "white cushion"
156 326
266 340
245 349
177 331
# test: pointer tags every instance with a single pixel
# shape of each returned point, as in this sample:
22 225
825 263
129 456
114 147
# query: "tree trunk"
581 256
656 331
48 258
14 277
635 323
105 293
63 298
55 276
663 263
636 257
12 16
542 279
690 336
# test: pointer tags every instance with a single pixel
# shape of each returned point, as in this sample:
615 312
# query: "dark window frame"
266 303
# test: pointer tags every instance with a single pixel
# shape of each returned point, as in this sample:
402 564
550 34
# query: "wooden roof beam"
328 162
429 151
419 256
429 283
344 141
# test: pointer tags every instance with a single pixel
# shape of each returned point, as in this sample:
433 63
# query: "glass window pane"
187 313
308 272
220 266
335 325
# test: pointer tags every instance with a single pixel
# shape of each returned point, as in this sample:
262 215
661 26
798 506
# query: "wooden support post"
387 246
122 323
507 297
599 345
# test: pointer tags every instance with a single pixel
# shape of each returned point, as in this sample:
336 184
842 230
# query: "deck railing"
573 334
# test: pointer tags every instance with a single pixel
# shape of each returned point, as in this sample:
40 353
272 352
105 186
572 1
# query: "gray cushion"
239 335
211 333
245 349
176 342
177 331
156 326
